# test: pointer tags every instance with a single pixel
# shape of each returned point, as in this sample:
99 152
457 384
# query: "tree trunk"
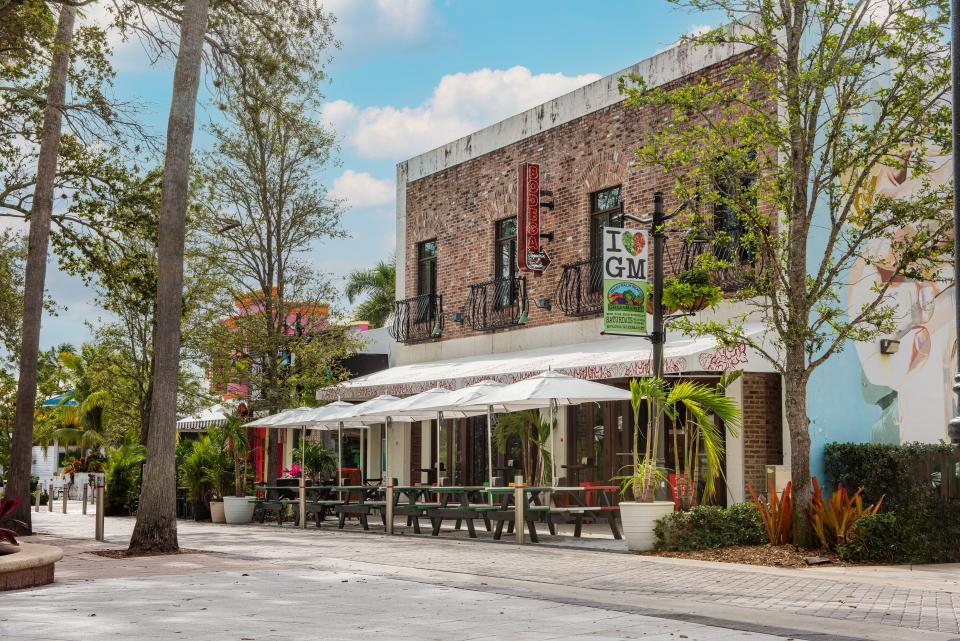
36 268
795 406
156 527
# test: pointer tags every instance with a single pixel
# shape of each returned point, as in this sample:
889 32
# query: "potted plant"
237 509
319 462
645 477
219 472
194 476
691 291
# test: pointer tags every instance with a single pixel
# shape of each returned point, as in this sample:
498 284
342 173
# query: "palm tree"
379 284
81 424
529 429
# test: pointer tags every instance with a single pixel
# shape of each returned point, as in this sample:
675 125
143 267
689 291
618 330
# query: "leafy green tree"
786 141
122 475
82 425
379 285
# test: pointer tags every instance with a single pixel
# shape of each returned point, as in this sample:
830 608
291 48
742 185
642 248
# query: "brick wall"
762 429
458 206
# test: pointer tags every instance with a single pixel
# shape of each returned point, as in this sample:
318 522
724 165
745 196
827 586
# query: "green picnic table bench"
462 510
357 503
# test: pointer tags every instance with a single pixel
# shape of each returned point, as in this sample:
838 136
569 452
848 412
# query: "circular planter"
238 510
697 304
216 512
638 521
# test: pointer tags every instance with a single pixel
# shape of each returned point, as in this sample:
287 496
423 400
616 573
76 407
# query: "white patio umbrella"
463 403
552 389
350 416
283 420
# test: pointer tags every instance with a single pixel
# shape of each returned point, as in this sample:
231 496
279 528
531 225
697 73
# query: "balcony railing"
497 303
740 265
580 290
418 319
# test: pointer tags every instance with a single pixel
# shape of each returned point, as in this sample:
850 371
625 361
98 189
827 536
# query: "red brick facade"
762 428
459 206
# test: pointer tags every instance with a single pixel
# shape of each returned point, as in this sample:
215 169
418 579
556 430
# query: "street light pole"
953 427
658 332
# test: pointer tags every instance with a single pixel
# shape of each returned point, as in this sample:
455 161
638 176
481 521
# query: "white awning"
613 357
214 416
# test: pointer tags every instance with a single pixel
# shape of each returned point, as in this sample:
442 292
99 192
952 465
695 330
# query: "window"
505 262
728 224
605 211
426 279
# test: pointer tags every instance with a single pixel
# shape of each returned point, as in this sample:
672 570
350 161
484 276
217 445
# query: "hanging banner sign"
624 280
530 257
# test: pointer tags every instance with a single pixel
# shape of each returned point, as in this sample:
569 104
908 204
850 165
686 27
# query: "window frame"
600 218
512 267
425 309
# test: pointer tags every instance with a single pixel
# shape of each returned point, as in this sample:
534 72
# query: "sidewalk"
890 602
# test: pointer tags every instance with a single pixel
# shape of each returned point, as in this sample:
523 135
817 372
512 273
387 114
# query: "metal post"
66 496
99 508
83 500
386 450
489 444
340 455
363 456
658 335
50 499
953 427
519 501
388 516
303 477
439 479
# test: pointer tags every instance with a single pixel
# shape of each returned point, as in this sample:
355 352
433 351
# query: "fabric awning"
613 357
214 416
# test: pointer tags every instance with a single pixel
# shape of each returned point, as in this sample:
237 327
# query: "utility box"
780 475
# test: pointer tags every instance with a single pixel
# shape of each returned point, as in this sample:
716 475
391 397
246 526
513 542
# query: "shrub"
920 526
122 476
775 513
833 519
709 526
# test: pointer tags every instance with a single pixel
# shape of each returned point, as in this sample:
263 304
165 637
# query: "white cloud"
369 26
360 189
460 103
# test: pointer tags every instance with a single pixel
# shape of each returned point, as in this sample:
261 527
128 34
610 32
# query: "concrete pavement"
266 582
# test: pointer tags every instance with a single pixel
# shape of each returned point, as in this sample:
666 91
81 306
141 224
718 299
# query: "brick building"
469 313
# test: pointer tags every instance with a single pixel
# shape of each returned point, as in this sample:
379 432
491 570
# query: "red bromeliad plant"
776 514
834 519
6 507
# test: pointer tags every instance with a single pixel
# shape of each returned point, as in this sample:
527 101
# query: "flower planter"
638 521
697 304
216 512
238 510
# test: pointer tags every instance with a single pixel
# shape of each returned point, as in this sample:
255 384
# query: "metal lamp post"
953 427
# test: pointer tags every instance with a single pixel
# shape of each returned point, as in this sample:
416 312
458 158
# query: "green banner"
624 280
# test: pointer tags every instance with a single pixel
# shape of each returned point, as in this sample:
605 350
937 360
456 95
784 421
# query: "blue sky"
413 74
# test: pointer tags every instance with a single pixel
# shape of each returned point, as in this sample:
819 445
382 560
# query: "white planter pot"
638 521
238 510
216 512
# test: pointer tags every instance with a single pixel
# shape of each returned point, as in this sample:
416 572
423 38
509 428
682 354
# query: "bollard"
519 501
99 507
84 498
50 499
36 493
66 496
388 517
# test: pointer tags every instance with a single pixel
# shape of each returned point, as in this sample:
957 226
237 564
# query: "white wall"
398 452
734 445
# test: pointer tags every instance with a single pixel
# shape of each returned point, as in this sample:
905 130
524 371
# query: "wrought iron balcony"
580 290
497 303
739 264
418 319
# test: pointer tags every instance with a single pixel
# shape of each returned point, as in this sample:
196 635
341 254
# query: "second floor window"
505 261
426 278
605 211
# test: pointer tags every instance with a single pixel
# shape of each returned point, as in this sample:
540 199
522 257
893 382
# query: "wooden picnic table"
461 510
552 514
357 503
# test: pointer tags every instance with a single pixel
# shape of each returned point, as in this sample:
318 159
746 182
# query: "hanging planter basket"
697 304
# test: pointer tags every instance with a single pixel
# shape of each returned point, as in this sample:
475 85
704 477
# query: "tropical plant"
80 412
6 507
218 467
318 461
379 284
532 432
833 520
645 475
193 470
122 476
236 434
777 513
699 442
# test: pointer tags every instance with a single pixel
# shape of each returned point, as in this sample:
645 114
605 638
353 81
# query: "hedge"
709 526
917 523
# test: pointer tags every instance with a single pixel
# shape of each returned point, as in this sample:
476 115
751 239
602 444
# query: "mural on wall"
912 387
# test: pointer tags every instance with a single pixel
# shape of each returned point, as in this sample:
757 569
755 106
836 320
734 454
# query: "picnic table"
360 502
455 503
413 502
537 503
276 498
